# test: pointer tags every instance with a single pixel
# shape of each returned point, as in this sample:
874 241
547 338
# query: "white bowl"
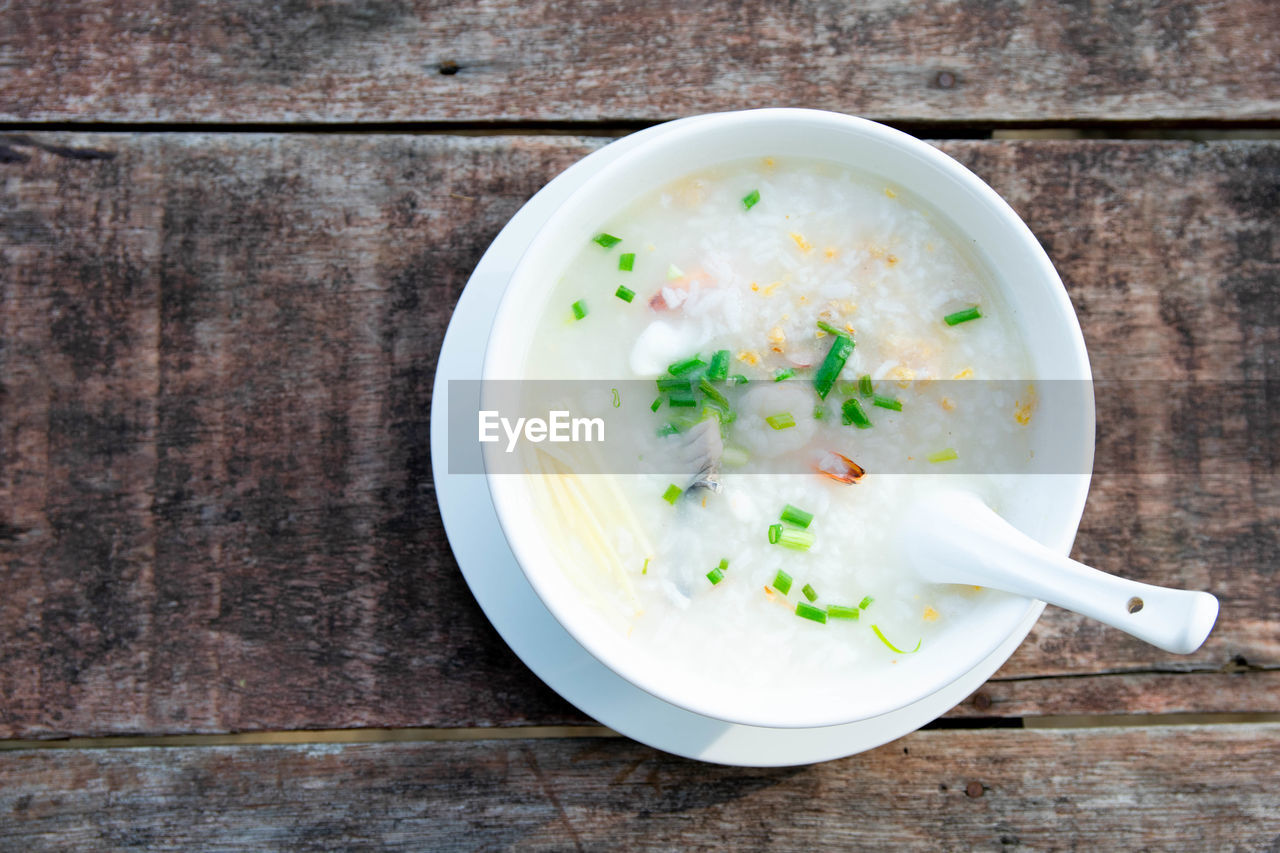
1048 506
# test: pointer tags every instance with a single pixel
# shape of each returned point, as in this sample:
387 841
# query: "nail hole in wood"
1135 604
448 68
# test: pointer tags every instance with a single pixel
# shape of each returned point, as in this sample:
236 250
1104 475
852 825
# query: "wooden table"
233 234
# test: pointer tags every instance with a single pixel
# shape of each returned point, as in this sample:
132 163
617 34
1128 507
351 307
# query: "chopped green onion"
886 402
749 200
606 240
735 457
865 602
853 414
808 611
828 328
810 593
819 412
668 429
672 493
962 316
944 455
627 262
674 272
891 646
719 367
796 540
579 309
782 420
839 611
713 394
715 576
687 366
775 533
656 404
683 419
644 570
865 388
679 400
682 400
739 379
624 293
724 564
784 373
673 383
841 349
795 515
712 409
782 582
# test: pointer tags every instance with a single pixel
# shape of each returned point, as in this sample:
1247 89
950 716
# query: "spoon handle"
956 538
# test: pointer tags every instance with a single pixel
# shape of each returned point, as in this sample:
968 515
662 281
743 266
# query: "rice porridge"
790 339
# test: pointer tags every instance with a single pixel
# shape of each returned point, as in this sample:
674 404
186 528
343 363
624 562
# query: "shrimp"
674 293
839 467
773 399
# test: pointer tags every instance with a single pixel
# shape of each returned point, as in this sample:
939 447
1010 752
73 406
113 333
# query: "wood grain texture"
1186 788
1145 693
217 488
949 61
1178 293
216 509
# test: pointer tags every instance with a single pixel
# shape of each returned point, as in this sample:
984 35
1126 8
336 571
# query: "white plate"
528 628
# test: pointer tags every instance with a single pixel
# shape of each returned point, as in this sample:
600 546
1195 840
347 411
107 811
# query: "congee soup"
788 344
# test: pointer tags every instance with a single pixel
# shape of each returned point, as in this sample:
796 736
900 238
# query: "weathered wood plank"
1189 787
216 509
1131 693
217 496
948 61
1178 293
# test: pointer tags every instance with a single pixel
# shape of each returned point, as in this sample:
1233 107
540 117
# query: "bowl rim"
514 524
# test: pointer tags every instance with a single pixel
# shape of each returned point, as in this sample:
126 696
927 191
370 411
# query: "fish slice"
700 450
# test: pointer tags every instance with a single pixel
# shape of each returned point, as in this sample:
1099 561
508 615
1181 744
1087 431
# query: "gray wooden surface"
973 62
1171 788
219 324
219 357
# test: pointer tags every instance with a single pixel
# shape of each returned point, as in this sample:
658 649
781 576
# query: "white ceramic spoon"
954 537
